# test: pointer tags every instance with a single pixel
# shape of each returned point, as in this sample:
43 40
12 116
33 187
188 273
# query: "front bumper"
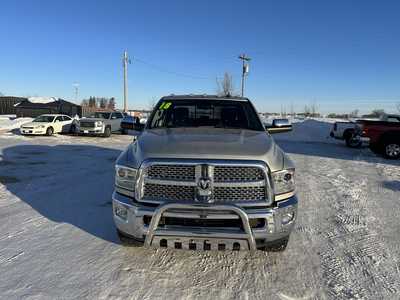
32 131
132 219
91 130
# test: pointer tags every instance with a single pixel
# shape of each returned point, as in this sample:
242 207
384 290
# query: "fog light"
287 217
121 212
257 223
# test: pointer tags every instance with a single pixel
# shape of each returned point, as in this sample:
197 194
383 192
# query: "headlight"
98 123
125 177
283 181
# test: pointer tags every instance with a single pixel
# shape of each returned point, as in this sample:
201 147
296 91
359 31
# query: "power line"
165 70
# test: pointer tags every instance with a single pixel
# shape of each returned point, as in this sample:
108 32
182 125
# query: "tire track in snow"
354 261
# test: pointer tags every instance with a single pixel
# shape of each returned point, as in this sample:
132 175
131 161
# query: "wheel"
353 141
391 149
276 246
107 132
50 131
128 241
124 131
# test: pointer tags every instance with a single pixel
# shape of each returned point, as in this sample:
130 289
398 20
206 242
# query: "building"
7 104
36 106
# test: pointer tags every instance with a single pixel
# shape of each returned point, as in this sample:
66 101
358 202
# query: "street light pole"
245 68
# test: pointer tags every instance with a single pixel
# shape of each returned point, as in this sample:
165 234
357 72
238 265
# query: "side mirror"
57 121
279 126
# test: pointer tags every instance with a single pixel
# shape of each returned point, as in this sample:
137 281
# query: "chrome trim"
154 232
284 196
142 179
194 183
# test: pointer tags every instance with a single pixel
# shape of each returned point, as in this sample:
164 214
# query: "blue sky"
342 55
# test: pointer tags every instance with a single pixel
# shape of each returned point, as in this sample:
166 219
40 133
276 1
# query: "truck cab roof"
203 96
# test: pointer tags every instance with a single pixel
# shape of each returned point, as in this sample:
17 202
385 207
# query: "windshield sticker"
165 105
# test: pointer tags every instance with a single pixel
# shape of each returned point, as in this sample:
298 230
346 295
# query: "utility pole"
126 61
76 87
245 68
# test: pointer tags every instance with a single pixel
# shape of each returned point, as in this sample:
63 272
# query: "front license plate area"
213 244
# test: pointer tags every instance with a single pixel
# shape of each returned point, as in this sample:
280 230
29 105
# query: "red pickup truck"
383 135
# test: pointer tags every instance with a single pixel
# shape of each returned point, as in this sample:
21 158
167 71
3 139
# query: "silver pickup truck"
205 174
101 123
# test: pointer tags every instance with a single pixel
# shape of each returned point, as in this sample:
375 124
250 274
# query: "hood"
93 119
33 124
208 143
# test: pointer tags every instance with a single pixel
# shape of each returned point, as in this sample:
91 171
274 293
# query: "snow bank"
42 100
9 122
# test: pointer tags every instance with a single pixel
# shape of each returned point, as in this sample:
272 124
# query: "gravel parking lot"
57 238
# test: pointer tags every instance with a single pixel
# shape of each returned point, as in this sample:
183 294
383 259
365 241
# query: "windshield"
101 115
45 119
210 113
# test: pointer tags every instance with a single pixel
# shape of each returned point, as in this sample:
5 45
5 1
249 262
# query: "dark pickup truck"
383 135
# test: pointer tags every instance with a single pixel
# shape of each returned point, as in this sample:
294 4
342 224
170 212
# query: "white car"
49 124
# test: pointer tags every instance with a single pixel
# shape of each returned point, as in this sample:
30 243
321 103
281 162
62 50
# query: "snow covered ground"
57 238
9 122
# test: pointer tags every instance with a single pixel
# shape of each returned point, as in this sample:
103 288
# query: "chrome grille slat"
231 182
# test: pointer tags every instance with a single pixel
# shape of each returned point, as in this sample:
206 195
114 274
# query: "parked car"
383 135
48 125
101 123
205 174
346 131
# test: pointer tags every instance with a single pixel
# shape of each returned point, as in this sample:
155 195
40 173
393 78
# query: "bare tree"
85 102
225 88
314 109
307 111
398 106
354 113
152 103
111 103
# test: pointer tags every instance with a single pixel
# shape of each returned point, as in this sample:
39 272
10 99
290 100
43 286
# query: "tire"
352 140
107 132
128 241
72 129
276 246
391 149
124 131
49 131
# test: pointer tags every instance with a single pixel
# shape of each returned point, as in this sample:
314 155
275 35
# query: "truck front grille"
237 194
172 172
180 182
87 124
168 192
238 174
